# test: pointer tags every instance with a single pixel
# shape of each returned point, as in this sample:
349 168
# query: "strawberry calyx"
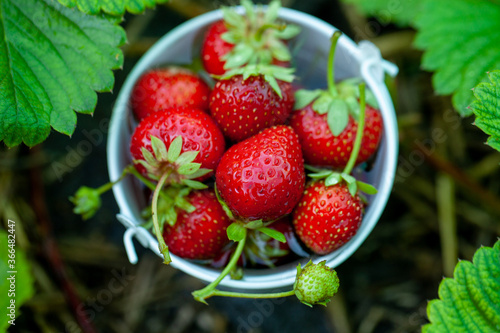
171 200
179 167
258 36
339 101
270 73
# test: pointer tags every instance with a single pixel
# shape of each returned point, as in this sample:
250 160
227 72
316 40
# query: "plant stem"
331 68
359 133
154 208
250 295
108 186
209 290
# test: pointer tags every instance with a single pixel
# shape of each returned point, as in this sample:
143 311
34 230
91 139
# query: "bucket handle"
142 235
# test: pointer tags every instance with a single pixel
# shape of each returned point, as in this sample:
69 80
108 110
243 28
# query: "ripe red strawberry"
198 131
263 176
214 48
322 148
200 234
327 216
243 108
255 38
326 121
170 87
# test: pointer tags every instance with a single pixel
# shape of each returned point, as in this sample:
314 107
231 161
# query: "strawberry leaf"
113 7
159 149
333 179
486 108
174 150
275 234
236 232
337 116
401 13
194 184
52 60
367 188
461 43
305 97
188 169
469 302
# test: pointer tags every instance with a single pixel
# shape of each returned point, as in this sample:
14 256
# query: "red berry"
166 88
263 176
327 216
202 233
214 48
322 148
243 108
197 129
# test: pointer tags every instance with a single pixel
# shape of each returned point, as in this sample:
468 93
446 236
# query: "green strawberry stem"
154 208
209 290
359 133
262 29
250 295
331 61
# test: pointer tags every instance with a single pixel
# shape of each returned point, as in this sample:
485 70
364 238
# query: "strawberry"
326 121
327 216
262 177
198 131
255 38
243 107
170 87
214 48
200 234
322 148
315 283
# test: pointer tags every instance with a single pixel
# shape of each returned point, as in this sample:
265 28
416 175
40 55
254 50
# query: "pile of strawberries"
232 152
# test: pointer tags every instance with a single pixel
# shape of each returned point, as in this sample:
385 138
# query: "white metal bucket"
178 46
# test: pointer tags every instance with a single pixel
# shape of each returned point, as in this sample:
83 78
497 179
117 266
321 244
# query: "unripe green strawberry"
315 283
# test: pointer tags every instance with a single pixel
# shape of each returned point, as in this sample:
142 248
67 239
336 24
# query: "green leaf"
486 108
367 188
401 13
322 104
333 179
273 233
174 150
240 56
52 60
188 169
305 97
236 232
113 7
194 184
159 148
469 302
461 43
338 116
187 157
320 174
23 279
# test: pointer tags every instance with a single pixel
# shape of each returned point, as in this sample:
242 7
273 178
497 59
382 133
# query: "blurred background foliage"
444 206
